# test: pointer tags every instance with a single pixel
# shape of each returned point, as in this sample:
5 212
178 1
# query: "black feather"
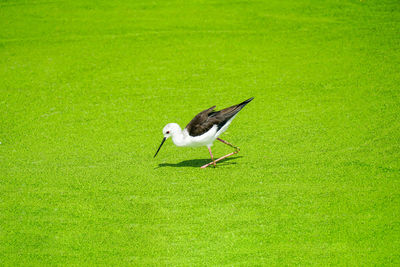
206 119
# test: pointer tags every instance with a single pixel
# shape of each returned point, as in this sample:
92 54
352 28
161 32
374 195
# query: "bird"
204 129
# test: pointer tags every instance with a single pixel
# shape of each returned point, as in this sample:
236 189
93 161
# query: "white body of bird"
182 138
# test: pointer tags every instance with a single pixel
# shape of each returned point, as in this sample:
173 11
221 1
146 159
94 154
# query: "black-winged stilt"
204 129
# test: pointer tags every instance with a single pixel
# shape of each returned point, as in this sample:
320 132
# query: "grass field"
86 89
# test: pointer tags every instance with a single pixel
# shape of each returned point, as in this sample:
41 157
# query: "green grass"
86 89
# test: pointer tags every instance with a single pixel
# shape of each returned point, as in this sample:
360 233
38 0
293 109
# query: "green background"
87 86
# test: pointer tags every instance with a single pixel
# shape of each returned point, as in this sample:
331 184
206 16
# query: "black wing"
201 123
206 119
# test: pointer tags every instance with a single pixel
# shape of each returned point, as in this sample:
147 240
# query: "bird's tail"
244 103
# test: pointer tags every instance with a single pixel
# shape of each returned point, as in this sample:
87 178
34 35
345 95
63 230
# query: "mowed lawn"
87 86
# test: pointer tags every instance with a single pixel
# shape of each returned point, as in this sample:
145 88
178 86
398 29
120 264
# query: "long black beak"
165 138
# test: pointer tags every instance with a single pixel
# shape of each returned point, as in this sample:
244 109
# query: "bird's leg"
212 157
212 162
221 158
237 149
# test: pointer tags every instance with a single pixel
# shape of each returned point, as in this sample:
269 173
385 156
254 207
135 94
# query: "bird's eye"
167 132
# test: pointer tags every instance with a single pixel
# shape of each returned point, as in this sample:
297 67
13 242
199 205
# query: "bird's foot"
215 161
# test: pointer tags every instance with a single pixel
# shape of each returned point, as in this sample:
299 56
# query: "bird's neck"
179 138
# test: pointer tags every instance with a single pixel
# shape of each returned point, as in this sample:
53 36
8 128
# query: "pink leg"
212 157
229 144
221 158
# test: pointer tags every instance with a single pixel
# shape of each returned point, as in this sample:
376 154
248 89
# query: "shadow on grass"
198 163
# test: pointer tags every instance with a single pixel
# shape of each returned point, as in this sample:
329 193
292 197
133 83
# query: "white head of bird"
171 130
